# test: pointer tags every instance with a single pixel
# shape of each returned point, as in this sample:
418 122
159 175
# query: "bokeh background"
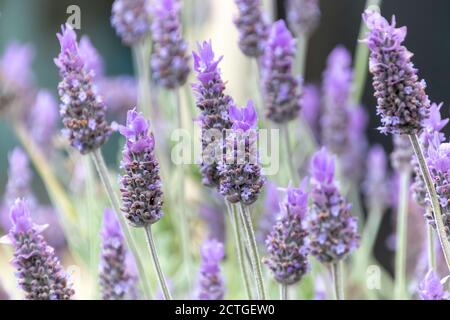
37 22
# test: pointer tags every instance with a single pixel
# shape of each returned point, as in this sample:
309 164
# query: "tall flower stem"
287 141
361 58
434 199
283 292
253 250
102 170
338 279
300 58
183 223
159 273
141 58
234 217
402 229
431 248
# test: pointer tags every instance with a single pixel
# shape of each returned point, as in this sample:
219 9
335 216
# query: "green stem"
371 232
102 170
402 230
253 250
431 247
141 58
154 254
234 217
361 58
337 273
283 292
287 141
440 227
300 57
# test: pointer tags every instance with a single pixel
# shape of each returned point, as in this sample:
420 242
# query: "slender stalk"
234 217
183 223
300 58
293 172
371 232
338 279
402 230
102 170
361 58
431 247
442 235
159 273
253 251
141 58
283 292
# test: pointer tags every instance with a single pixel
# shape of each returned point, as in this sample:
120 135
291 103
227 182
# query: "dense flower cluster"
240 171
169 63
332 228
253 27
401 98
431 288
287 244
140 184
280 87
117 282
82 109
211 284
131 20
213 103
303 16
337 79
38 270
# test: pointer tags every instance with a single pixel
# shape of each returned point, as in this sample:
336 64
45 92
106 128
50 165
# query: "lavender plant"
431 288
211 284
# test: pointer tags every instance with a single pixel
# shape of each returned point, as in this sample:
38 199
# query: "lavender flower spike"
310 107
82 110
303 16
131 20
140 184
240 172
252 26
401 98
38 270
211 284
431 288
333 230
287 244
280 87
337 80
213 103
116 280
169 62
43 119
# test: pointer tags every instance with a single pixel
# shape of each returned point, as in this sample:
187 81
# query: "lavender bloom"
15 76
140 184
131 20
287 244
253 27
333 230
170 63
211 284
44 115
376 182
431 288
82 110
280 87
310 107
93 61
38 270
402 154
210 98
240 171
337 80
303 16
401 98
270 214
215 220
116 282
433 126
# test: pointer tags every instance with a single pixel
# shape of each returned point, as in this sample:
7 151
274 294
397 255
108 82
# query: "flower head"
303 16
431 288
245 118
401 98
280 87
211 284
140 182
82 109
